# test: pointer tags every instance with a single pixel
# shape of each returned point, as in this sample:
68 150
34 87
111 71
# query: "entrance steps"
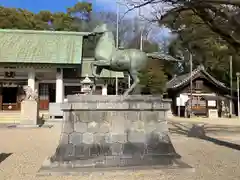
11 117
14 117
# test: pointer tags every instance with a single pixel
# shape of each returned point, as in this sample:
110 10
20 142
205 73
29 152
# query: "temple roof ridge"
24 31
180 80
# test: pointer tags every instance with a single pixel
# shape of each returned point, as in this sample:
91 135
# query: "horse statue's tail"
162 56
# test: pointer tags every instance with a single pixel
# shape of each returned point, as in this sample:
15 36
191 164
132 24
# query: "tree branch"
230 19
206 17
226 2
204 10
139 5
176 11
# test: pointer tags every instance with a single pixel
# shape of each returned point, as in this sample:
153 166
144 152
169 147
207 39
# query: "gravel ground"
31 146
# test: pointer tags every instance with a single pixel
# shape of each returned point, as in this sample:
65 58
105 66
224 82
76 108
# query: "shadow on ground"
200 131
4 156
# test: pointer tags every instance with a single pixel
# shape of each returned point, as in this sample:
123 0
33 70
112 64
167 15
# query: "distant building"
51 62
209 96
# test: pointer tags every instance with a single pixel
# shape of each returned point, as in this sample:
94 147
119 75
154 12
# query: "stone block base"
153 148
102 132
115 165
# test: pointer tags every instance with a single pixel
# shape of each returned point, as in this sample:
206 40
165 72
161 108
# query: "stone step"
9 118
15 117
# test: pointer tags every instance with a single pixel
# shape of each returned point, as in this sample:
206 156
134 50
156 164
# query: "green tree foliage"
81 10
153 77
12 18
207 47
77 18
15 18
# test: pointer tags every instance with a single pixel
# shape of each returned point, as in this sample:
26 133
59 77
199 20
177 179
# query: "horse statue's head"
100 29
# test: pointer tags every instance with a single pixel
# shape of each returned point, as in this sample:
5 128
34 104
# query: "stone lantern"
86 85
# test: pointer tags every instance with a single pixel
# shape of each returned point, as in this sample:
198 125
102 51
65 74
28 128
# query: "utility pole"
129 81
191 96
141 30
117 45
231 84
117 35
238 74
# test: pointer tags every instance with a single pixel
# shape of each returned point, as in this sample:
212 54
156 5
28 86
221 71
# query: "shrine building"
52 62
210 97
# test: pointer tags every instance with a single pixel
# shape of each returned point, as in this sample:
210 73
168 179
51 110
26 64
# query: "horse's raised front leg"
97 72
134 75
99 65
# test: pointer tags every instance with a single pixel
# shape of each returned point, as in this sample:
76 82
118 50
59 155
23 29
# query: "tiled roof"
87 70
178 81
28 46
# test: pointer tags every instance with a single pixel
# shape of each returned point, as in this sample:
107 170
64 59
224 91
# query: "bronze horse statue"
131 61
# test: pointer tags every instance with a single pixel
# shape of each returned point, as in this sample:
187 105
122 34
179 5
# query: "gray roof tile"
178 81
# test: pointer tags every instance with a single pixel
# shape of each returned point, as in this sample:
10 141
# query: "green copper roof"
28 46
86 70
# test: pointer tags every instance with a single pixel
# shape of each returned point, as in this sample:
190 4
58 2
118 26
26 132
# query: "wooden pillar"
59 86
1 97
31 78
20 96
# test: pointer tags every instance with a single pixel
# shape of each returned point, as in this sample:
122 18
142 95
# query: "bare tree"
221 16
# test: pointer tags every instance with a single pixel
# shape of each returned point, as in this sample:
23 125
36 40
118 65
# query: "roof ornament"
86 80
201 67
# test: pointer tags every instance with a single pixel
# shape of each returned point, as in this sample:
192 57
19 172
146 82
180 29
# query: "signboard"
178 101
182 100
212 103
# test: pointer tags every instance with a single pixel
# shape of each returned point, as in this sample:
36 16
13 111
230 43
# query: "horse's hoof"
125 95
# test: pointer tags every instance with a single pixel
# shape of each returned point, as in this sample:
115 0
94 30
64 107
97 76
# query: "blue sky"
55 5
61 5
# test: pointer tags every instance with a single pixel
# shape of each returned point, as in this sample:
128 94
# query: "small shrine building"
210 97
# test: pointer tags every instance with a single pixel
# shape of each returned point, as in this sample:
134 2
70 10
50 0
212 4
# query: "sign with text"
212 103
182 100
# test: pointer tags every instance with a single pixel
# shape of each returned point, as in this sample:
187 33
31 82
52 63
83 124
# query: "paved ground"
201 120
31 146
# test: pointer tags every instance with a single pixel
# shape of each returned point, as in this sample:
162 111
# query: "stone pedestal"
113 131
29 112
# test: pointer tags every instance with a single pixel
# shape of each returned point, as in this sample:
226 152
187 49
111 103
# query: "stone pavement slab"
29 148
208 121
